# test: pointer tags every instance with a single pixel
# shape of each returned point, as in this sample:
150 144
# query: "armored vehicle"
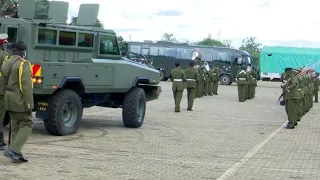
79 66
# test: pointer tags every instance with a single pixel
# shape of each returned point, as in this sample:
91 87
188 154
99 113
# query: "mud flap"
42 107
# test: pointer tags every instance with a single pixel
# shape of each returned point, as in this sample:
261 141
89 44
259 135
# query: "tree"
208 41
98 24
227 43
250 45
122 44
169 37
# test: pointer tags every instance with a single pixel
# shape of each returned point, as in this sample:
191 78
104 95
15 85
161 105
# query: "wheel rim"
69 114
140 109
225 79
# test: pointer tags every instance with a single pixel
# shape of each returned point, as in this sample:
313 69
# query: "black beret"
287 69
177 63
191 63
20 45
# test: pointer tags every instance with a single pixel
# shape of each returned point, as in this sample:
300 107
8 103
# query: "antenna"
58 11
88 14
27 9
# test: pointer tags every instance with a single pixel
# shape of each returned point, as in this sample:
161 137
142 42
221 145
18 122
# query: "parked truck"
78 66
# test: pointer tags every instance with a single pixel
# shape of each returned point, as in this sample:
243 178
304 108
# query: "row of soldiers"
16 97
198 81
247 83
298 87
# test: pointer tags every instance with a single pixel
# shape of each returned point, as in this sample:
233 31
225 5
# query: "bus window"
135 49
154 51
47 36
206 54
67 38
109 45
13 34
145 51
221 56
184 53
167 51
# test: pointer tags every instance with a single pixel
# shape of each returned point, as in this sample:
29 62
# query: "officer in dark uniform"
18 100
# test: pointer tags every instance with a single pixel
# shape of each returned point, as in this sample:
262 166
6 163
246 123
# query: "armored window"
221 56
184 53
167 51
206 54
13 34
145 51
135 49
154 51
85 40
109 45
67 38
47 36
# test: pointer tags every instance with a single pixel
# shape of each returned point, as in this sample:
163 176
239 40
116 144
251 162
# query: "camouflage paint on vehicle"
80 65
164 54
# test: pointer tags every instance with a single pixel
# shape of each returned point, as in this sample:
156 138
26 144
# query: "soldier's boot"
15 157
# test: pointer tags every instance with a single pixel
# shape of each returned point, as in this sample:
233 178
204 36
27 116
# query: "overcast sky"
273 22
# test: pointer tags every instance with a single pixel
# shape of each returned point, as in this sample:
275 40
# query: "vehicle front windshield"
247 60
109 45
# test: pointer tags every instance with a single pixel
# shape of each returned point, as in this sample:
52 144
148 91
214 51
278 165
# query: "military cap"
177 64
287 69
191 63
3 38
20 45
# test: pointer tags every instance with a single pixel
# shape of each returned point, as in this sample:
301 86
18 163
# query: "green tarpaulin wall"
274 59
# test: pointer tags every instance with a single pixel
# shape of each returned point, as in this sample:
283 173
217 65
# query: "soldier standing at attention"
211 80
18 100
215 78
3 57
316 87
291 98
250 83
242 83
206 82
192 77
255 79
178 78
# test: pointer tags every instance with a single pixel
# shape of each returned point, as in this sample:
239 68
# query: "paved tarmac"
221 139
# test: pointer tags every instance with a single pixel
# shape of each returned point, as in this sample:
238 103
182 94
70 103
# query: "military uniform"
242 82
18 101
206 82
215 80
250 84
3 57
316 87
178 78
291 98
255 80
192 77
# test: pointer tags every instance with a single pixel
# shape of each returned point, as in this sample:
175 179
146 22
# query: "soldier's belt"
242 78
254 78
178 80
299 89
191 80
15 90
214 73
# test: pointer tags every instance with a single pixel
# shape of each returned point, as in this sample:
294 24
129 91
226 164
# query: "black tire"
162 76
55 124
7 119
134 108
225 79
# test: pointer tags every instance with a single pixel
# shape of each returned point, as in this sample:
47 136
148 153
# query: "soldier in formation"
242 83
298 91
198 81
18 100
178 78
316 87
192 78
3 57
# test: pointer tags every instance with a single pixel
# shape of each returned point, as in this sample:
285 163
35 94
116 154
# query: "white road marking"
253 151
